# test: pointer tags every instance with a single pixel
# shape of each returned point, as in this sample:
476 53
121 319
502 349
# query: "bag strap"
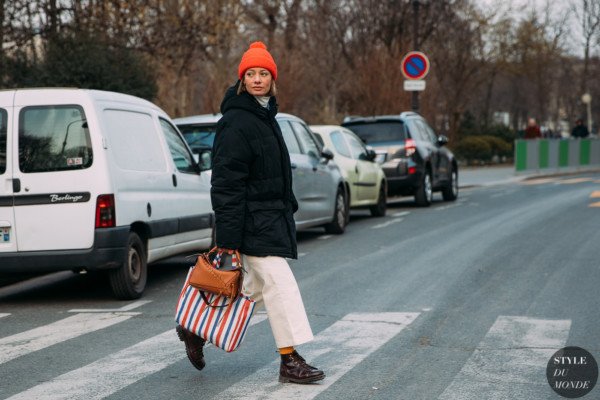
212 305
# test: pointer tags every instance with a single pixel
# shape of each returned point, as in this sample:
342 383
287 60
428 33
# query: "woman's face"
258 81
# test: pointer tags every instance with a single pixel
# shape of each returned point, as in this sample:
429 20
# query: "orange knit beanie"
257 56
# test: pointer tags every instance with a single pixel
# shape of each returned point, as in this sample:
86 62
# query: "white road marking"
301 254
337 350
128 307
324 237
106 376
4 315
510 362
400 214
575 180
38 338
459 202
386 224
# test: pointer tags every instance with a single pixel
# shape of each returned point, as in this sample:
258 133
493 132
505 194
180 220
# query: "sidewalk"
497 175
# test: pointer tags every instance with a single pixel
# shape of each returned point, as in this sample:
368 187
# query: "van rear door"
8 240
55 206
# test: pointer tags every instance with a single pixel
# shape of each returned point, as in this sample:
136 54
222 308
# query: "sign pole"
415 4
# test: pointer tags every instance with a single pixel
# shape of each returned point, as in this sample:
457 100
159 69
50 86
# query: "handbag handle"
236 258
212 305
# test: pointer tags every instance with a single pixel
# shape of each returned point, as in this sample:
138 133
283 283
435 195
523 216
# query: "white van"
94 180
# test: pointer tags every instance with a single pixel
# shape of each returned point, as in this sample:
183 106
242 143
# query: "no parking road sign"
415 65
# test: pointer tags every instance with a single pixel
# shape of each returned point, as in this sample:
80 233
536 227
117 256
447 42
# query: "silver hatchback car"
317 181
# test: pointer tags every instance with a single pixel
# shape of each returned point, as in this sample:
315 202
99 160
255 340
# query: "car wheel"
450 192
379 209
424 194
129 280
338 224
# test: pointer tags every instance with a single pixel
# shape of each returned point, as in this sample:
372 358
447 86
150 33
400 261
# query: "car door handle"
356 169
174 180
16 184
294 166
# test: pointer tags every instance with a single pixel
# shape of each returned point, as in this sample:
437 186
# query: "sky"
560 8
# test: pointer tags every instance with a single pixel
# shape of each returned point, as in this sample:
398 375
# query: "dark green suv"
415 160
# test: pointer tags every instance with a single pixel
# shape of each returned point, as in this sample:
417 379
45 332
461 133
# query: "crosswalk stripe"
510 362
337 350
595 194
104 377
596 204
4 315
38 338
127 307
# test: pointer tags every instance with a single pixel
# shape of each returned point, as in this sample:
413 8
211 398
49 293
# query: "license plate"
4 234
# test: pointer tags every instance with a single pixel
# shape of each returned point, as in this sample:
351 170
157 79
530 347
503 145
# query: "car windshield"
379 131
198 136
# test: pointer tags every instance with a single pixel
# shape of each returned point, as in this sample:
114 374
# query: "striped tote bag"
217 319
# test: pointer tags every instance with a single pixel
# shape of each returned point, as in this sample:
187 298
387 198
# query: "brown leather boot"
294 369
193 346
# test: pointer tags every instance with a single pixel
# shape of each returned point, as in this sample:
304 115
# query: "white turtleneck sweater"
263 100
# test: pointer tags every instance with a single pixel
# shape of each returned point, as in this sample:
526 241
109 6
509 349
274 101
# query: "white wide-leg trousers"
269 281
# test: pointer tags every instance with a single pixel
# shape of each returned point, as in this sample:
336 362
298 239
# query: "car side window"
182 158
432 136
3 149
359 152
289 138
426 131
308 143
340 144
416 132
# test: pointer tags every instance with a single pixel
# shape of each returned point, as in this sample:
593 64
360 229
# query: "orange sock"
286 350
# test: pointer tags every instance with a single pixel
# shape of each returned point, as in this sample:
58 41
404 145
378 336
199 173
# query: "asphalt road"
462 300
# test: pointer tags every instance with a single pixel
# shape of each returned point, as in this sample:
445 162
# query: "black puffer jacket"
251 190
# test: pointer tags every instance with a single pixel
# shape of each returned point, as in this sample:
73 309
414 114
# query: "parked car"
317 181
95 180
364 179
415 160
199 133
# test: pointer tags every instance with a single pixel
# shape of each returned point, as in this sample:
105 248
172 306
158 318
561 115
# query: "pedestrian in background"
254 204
580 130
533 130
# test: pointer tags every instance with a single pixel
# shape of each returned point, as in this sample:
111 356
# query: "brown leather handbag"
210 276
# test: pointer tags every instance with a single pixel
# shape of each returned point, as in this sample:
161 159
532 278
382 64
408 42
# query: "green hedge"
484 148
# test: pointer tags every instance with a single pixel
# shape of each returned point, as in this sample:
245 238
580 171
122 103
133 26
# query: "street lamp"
587 100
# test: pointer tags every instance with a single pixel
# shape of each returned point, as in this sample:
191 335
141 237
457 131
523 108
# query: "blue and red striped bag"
217 319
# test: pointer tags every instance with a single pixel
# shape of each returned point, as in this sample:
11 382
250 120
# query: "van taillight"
410 147
105 211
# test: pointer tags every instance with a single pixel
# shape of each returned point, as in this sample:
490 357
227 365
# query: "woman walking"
254 203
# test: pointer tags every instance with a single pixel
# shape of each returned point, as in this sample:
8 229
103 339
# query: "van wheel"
424 194
450 192
129 280
340 216
379 209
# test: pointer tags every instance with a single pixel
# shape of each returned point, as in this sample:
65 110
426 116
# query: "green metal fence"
556 154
